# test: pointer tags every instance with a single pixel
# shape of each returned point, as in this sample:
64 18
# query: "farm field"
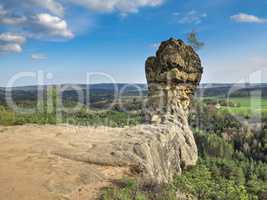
244 106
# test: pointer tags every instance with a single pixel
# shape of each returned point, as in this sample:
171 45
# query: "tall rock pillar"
164 146
172 76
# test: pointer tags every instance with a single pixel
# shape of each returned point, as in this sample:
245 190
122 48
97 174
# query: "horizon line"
125 83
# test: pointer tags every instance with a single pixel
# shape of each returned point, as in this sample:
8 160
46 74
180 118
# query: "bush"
83 117
213 146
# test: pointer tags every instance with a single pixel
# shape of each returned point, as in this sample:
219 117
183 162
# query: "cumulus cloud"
34 18
192 17
44 19
52 6
10 48
247 18
123 6
10 42
38 56
10 19
46 25
10 37
13 20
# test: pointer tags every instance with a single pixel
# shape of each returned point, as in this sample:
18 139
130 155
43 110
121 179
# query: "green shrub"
83 117
204 184
128 190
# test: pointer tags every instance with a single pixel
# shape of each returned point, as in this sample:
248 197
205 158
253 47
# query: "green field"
256 102
245 106
248 106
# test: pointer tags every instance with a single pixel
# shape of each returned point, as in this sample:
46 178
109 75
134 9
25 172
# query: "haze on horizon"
68 38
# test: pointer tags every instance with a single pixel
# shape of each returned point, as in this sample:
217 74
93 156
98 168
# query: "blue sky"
68 38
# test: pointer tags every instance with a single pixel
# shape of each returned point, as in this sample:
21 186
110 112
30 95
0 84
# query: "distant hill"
233 90
97 92
101 86
106 91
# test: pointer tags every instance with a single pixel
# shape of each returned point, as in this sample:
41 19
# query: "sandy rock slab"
68 162
30 168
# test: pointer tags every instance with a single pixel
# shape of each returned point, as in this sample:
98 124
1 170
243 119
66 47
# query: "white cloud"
11 43
13 20
192 17
44 24
10 48
52 6
124 6
13 38
38 56
44 19
9 19
35 18
246 18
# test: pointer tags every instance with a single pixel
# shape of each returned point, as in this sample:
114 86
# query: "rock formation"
173 76
163 147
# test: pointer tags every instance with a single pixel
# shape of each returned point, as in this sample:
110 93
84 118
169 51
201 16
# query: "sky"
67 41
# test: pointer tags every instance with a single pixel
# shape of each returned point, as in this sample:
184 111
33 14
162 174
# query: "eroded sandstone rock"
163 147
173 76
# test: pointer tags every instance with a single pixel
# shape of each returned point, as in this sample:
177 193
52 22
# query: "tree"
194 41
197 181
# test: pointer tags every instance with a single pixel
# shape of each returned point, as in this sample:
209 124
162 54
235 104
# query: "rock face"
163 147
173 76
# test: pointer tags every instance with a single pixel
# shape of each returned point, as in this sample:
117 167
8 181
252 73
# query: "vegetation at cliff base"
232 162
222 173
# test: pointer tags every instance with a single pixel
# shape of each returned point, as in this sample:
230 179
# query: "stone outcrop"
163 147
173 76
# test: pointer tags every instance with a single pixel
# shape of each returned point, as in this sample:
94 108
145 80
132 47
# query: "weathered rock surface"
173 76
55 163
165 146
66 162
